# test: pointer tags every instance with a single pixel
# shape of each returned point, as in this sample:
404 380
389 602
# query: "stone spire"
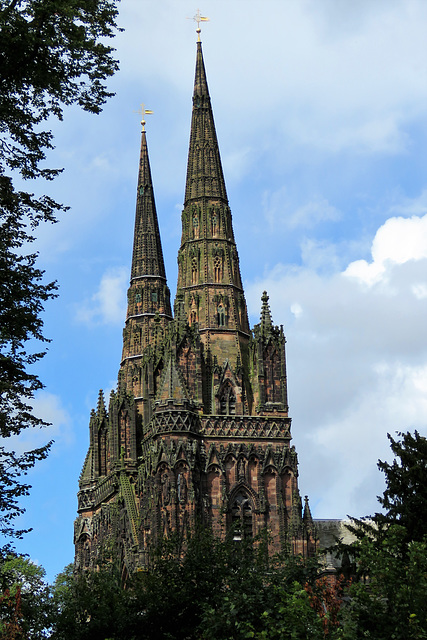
149 308
209 291
205 178
147 256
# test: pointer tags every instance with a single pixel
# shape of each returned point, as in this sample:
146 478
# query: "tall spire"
149 307
209 288
205 177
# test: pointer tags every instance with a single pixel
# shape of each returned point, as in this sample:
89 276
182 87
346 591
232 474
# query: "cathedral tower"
198 429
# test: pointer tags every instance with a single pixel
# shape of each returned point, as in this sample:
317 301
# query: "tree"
26 604
388 595
405 496
53 54
389 599
95 606
213 589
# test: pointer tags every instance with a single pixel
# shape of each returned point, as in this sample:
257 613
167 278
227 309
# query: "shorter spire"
147 257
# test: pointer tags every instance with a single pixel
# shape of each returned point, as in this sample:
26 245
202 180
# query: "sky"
321 115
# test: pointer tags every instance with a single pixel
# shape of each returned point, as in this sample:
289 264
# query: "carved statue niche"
194 270
182 484
226 400
194 309
221 318
241 469
195 222
214 222
217 265
166 488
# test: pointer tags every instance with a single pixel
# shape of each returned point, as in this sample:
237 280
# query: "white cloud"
108 304
357 362
49 408
397 241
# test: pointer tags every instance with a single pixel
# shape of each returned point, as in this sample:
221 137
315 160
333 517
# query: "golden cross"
143 112
199 18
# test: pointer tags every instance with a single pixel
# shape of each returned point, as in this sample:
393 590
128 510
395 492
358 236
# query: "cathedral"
198 429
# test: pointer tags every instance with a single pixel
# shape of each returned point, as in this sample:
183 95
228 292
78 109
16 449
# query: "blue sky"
321 115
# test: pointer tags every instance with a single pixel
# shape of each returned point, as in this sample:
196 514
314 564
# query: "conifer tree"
405 497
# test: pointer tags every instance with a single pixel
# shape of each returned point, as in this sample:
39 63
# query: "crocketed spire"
204 170
147 257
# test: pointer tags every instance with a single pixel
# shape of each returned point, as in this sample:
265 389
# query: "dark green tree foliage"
53 53
405 497
95 606
389 601
389 591
213 590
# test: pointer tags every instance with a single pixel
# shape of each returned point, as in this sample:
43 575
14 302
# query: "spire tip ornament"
143 112
199 18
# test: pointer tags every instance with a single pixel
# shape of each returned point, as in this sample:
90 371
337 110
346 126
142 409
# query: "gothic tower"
198 429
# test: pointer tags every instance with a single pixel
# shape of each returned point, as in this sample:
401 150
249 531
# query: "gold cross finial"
199 18
143 112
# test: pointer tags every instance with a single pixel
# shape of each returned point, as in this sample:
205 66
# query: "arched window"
193 317
241 516
221 315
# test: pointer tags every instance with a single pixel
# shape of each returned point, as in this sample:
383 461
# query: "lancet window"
241 516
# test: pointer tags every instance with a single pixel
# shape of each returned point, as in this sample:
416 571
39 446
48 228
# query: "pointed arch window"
217 269
241 516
